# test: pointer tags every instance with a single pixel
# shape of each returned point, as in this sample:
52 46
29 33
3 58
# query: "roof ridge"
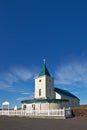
64 92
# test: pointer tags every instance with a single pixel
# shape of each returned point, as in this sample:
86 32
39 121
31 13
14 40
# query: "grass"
80 111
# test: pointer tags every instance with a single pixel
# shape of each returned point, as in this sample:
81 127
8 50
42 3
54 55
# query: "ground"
25 123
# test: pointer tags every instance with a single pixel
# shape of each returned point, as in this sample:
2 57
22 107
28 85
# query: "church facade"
47 96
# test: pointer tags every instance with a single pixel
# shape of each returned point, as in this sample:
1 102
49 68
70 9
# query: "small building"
48 97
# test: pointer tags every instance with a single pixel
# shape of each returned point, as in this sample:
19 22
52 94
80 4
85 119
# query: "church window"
39 92
24 107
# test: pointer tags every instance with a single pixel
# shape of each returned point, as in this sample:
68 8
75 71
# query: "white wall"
45 106
46 84
50 87
40 83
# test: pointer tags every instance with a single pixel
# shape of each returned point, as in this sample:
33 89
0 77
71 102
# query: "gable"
58 96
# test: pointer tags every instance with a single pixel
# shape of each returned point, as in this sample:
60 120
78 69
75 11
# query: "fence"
63 113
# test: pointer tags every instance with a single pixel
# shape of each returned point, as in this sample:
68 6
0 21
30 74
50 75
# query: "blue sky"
33 30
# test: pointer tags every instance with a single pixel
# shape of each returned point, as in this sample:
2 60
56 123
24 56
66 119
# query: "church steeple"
44 84
44 70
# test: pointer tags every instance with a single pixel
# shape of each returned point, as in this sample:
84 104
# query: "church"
47 96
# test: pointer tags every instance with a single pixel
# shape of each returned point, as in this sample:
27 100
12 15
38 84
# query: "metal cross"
44 60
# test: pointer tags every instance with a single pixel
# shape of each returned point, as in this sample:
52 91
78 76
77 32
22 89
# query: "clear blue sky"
31 30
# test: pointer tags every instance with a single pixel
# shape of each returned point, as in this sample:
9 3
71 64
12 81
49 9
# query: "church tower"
44 84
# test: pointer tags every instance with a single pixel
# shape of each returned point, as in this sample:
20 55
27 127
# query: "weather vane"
44 60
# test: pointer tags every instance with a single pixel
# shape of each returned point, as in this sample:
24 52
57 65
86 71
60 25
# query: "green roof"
43 100
63 92
44 71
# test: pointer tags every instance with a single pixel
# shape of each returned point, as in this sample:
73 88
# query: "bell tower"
44 84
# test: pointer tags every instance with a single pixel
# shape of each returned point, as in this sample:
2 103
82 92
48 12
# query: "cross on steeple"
44 60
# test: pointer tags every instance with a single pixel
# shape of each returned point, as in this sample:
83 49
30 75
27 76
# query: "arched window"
39 92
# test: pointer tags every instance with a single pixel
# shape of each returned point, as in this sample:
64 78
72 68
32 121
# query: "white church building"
47 97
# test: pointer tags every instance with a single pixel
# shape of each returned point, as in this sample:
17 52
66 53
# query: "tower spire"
44 70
